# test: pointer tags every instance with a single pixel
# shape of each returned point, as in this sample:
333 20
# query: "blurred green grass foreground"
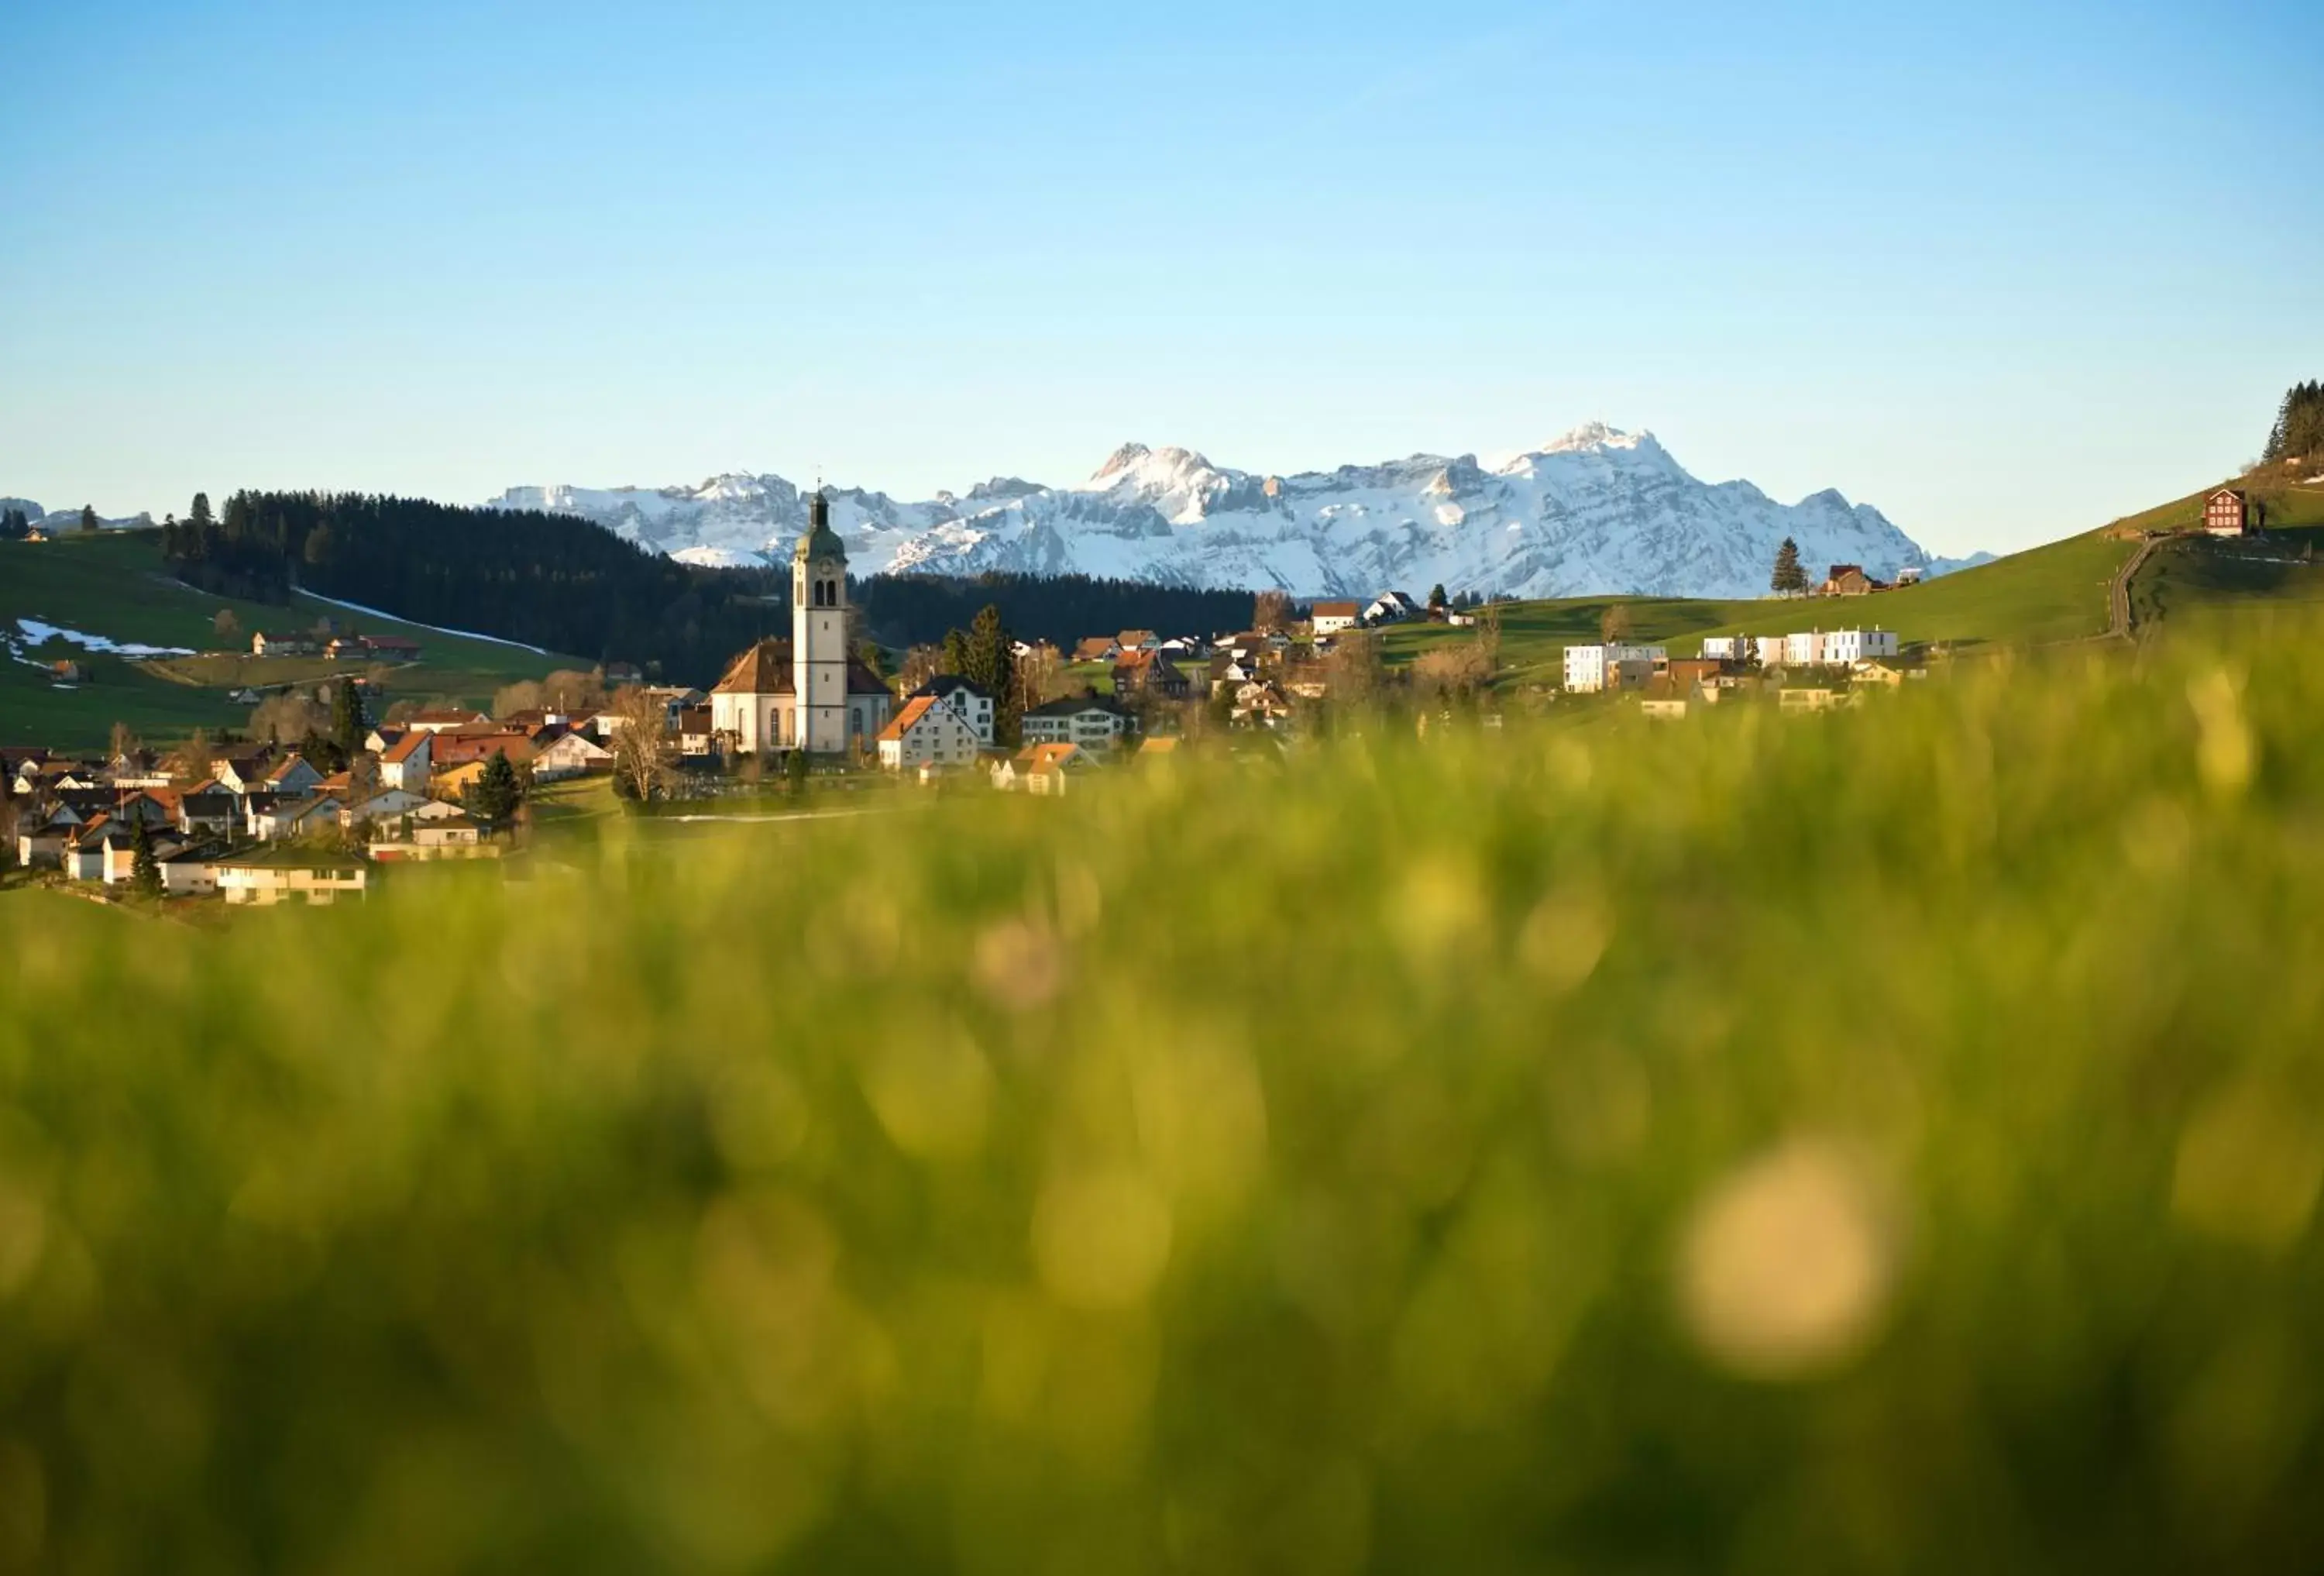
1885 1142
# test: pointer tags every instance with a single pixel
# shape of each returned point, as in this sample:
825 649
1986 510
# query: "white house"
1086 721
1329 618
967 700
290 875
1804 649
409 762
1391 607
1768 650
928 732
191 872
1591 668
1842 648
570 754
276 819
1726 648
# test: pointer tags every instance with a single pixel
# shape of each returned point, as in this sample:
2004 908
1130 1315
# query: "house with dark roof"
1150 673
968 700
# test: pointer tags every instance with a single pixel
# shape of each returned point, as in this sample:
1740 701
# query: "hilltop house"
1849 580
1329 618
2229 512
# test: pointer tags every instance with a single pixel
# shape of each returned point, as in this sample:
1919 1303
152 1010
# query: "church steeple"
819 634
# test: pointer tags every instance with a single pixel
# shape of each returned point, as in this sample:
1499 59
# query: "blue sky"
2003 271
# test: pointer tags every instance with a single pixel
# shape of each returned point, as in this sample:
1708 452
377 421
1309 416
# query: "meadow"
115 585
1886 1140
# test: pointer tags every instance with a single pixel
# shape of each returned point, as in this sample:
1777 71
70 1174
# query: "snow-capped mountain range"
1596 511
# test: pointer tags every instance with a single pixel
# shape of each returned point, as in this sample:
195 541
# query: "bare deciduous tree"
280 718
1354 666
1271 610
1614 623
645 760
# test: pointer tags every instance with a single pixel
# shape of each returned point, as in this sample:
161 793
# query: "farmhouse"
1329 618
2227 512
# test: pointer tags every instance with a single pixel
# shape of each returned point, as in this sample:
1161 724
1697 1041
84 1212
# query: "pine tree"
88 519
1789 576
955 653
144 869
14 526
199 516
990 666
348 727
1437 598
497 791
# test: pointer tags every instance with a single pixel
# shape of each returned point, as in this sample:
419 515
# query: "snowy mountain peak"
1598 509
1593 435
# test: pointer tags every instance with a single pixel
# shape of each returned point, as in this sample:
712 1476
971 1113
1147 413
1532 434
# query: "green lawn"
114 585
1890 1141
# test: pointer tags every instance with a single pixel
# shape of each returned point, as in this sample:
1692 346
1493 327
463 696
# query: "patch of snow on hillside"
37 634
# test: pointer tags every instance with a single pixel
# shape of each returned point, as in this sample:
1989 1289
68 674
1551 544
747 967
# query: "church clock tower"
819 634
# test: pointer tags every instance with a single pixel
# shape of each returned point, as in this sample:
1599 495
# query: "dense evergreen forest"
548 580
567 586
2298 431
914 610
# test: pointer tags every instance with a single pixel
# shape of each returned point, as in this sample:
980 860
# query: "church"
809 692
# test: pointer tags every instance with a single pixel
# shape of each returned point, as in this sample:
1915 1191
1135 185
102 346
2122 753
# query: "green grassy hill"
115 585
2201 579
2041 597
2046 593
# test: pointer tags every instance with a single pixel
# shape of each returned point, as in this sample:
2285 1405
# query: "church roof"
766 670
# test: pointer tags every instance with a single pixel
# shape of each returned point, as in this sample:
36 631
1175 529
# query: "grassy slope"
114 585
2202 578
2053 593
1881 1142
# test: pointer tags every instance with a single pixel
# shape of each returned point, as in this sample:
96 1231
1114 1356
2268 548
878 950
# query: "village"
264 823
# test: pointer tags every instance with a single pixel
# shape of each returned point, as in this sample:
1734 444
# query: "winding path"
2119 622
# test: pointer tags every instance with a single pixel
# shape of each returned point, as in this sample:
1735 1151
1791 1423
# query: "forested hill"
565 584
548 580
912 610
